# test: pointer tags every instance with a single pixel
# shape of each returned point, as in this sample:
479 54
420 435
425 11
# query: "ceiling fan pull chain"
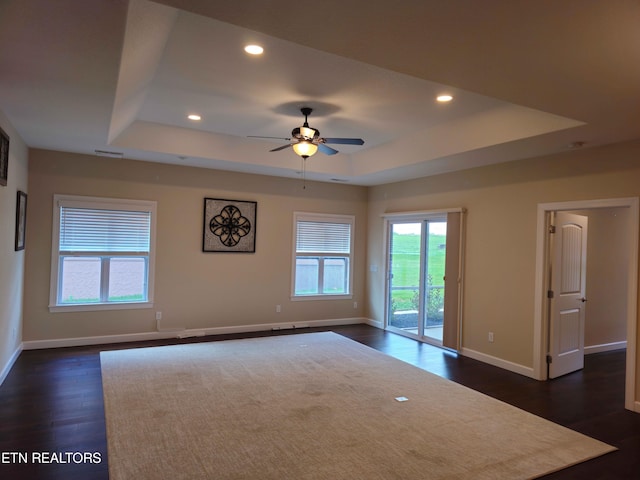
304 173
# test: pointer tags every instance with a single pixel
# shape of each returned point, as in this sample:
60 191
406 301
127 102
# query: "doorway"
627 295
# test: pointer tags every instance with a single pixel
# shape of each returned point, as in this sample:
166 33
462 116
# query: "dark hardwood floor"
51 401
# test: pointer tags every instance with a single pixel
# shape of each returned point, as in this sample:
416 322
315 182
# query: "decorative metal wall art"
229 226
4 157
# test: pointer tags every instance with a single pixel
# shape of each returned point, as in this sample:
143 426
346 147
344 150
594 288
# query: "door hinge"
549 293
549 360
552 229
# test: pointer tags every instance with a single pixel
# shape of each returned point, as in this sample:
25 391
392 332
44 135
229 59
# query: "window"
102 254
322 256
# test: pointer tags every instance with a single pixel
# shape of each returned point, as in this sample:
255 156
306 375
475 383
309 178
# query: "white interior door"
568 302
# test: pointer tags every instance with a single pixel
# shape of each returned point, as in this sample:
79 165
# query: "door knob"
583 299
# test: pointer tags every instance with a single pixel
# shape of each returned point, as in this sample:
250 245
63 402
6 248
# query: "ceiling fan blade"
327 150
277 149
344 141
277 138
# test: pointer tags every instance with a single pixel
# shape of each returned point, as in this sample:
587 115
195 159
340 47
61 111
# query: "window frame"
323 218
101 203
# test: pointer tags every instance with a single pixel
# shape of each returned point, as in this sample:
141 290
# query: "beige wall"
11 262
193 290
501 234
197 290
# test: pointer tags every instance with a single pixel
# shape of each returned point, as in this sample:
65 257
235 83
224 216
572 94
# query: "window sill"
302 298
99 306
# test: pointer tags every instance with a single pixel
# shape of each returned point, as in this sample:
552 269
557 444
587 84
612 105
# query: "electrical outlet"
278 309
355 304
490 337
158 315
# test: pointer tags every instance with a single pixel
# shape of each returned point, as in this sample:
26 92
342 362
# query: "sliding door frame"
455 340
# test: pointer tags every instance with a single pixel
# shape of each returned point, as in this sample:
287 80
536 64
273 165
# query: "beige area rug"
314 406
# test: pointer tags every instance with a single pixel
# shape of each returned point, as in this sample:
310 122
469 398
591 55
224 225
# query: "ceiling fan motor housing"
305 133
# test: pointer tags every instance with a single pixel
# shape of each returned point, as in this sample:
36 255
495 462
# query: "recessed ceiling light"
254 49
444 98
194 117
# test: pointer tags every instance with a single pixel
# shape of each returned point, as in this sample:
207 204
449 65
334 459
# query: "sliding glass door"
405 276
436 249
418 263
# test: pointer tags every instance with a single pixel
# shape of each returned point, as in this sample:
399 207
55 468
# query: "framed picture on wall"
4 157
229 226
21 220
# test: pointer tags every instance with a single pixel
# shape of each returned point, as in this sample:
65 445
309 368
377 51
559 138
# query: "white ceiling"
528 77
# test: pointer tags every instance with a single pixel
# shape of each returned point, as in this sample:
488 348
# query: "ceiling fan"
306 141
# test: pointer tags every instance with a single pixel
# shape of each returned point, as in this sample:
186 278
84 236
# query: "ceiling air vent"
106 153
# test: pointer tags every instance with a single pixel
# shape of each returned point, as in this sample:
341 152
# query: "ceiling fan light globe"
305 148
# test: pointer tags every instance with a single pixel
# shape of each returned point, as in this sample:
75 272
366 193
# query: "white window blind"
99 230
323 237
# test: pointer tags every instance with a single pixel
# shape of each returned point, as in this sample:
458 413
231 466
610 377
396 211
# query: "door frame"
540 323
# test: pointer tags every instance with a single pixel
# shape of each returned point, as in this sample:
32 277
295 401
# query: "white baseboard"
7 368
498 362
98 340
528 371
374 323
183 333
605 347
